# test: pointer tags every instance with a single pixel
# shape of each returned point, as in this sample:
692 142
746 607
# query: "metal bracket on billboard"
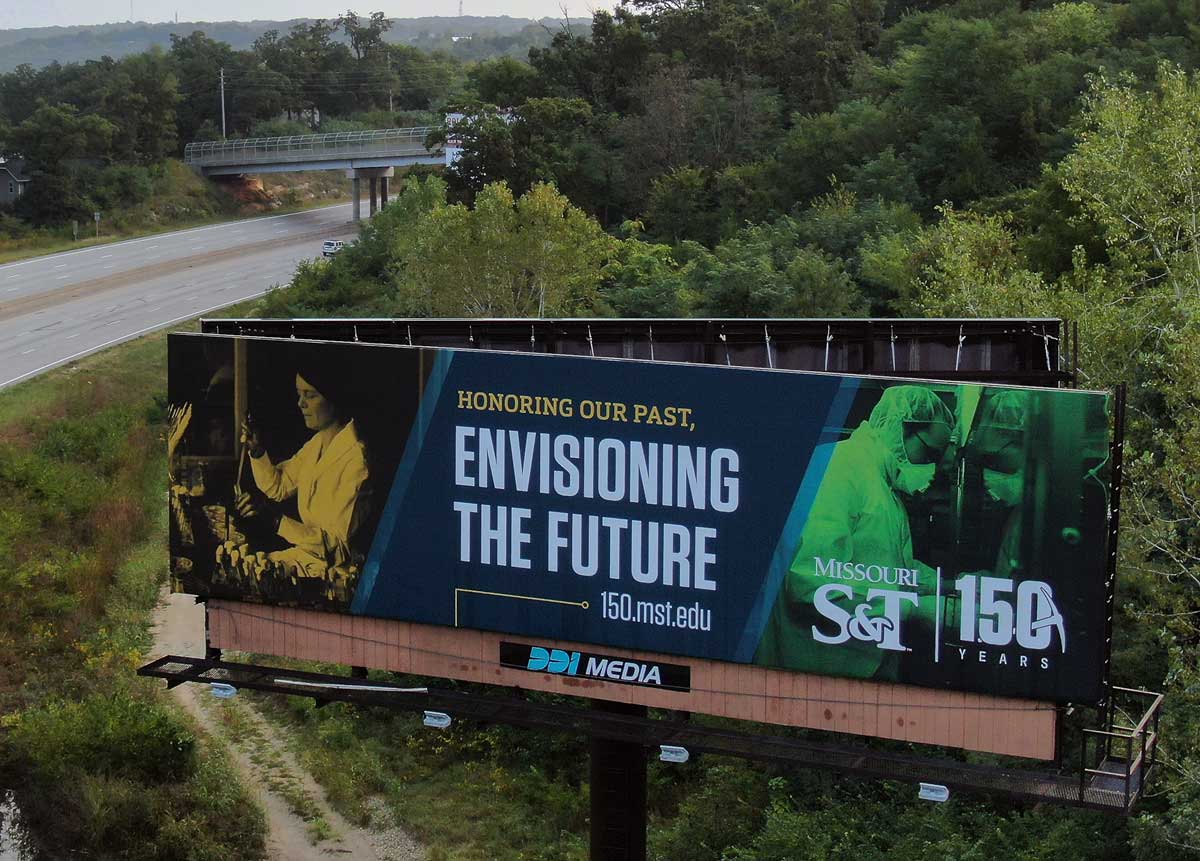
1003 351
1115 766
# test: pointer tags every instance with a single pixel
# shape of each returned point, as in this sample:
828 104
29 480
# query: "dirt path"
303 826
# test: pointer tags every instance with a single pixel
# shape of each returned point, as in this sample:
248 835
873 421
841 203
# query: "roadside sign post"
96 217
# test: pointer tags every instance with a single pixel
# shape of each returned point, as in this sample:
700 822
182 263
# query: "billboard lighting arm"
1098 785
336 686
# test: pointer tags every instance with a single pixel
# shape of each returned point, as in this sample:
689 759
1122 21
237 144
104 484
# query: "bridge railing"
303 148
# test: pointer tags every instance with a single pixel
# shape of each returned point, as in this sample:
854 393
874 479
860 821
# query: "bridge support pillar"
376 178
356 198
383 184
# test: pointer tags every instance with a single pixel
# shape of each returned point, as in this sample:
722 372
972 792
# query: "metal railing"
1123 756
298 148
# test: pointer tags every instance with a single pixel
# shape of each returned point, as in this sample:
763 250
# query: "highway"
60 307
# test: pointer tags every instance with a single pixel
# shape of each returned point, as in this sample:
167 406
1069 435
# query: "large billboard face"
944 535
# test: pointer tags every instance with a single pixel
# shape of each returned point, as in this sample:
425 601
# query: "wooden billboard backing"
1001 725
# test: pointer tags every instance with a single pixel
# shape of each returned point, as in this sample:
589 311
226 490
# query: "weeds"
102 764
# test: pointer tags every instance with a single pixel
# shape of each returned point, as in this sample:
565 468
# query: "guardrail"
306 148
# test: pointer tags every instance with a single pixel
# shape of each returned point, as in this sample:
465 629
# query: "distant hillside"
39 46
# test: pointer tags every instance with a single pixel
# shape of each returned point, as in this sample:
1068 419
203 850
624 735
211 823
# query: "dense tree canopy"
786 157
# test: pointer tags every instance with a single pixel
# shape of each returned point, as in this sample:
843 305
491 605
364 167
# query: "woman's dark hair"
327 371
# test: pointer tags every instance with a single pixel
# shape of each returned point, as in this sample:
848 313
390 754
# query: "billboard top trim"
839 374
642 321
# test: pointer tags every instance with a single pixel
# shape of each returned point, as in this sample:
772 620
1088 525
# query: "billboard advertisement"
936 534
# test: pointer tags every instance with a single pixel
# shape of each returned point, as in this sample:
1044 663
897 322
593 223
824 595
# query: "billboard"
938 534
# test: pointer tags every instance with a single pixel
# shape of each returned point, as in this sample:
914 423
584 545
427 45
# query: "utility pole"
222 103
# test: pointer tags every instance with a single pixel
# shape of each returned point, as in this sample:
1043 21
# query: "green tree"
197 61
644 280
768 270
529 257
504 81
52 140
366 37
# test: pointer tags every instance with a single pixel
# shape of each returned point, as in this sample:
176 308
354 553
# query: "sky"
65 13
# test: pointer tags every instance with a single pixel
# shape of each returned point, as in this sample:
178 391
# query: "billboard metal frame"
1114 762
1114 767
1044 350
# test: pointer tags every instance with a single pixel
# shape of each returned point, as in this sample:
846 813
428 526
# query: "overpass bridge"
371 155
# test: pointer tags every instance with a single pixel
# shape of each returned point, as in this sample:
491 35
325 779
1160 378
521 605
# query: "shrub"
109 735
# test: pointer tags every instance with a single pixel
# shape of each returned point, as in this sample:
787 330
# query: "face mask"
912 478
1005 488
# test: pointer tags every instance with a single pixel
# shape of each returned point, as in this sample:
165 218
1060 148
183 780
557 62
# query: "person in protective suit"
998 444
858 516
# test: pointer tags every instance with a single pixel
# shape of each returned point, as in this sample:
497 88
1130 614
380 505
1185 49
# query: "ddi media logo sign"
608 668
552 661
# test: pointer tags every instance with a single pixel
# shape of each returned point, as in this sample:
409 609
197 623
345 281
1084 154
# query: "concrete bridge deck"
371 155
379 148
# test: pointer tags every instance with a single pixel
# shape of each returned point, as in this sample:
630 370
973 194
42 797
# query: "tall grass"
103 765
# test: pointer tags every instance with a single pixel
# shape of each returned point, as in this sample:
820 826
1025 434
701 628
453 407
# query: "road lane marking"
106 256
242 224
27 352
71 337
11 277
86 351
61 277
61 266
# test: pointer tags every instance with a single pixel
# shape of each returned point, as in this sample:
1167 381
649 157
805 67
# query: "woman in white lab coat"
328 476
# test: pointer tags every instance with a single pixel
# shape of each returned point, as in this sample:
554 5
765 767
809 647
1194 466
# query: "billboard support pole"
618 792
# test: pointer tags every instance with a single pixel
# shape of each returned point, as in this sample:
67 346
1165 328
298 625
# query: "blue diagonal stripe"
756 619
408 464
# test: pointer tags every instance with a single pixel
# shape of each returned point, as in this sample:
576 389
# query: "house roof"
15 167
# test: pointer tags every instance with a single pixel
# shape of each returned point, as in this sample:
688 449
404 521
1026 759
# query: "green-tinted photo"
957 530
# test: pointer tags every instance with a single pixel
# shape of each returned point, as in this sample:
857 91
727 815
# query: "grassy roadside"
181 201
101 761
467 794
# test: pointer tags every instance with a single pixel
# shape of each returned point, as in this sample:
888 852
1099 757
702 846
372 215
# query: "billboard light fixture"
933 792
437 720
672 753
222 691
339 686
